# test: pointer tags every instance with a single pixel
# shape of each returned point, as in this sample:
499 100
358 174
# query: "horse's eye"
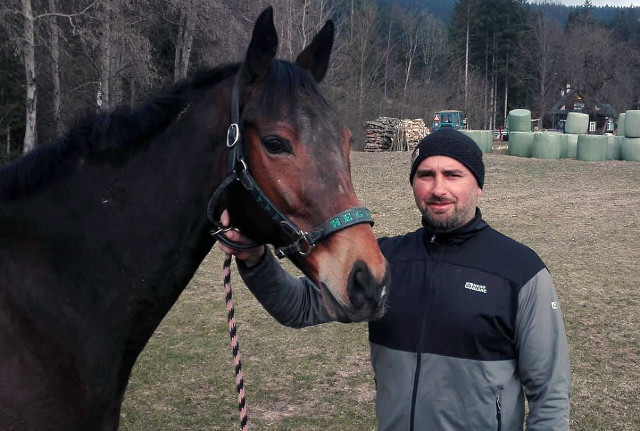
276 145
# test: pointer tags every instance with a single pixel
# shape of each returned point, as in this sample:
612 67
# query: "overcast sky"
593 2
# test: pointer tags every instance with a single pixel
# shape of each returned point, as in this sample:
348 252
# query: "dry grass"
581 217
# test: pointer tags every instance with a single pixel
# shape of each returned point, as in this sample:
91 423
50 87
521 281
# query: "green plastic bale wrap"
545 145
564 145
520 144
519 120
572 146
613 147
632 123
592 148
487 141
476 135
620 131
577 123
630 149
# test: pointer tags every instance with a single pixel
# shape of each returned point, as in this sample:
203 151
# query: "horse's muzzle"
366 294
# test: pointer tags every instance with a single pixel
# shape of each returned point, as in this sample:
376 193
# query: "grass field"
583 219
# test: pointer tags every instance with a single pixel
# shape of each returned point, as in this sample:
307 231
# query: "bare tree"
365 52
31 98
542 52
412 39
54 49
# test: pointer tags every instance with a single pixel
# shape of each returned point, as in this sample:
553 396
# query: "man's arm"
292 301
543 354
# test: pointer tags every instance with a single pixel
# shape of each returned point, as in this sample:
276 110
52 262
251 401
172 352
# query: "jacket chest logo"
475 287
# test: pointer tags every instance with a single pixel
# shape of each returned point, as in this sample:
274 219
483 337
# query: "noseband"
301 242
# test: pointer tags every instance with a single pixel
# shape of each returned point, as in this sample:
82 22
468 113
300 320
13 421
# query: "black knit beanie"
451 143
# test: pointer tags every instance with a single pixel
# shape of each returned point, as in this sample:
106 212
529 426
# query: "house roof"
573 101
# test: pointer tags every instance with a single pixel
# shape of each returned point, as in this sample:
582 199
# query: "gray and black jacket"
473 325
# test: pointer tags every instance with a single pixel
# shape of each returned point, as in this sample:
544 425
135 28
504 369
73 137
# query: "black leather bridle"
301 242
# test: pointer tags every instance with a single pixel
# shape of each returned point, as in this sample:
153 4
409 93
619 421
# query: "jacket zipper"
416 377
499 412
414 393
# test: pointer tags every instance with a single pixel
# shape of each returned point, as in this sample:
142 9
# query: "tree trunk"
386 60
30 75
104 102
55 67
506 89
466 63
184 44
486 83
494 86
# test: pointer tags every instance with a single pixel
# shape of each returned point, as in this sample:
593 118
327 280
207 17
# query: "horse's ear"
315 57
263 46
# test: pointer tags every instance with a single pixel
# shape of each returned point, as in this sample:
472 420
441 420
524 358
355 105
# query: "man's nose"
439 185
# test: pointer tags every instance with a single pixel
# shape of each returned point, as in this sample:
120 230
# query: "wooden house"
601 115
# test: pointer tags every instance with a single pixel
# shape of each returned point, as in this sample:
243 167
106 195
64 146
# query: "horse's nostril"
362 287
357 288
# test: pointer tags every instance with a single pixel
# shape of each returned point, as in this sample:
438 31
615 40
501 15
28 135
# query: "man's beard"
448 223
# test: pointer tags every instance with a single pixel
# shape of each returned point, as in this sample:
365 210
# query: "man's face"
446 193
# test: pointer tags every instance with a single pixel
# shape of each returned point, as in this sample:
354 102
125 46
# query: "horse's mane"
104 133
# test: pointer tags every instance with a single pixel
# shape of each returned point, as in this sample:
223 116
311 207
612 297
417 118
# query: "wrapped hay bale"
476 135
630 149
572 146
520 144
592 148
545 145
632 124
620 131
563 141
577 123
519 120
613 147
487 141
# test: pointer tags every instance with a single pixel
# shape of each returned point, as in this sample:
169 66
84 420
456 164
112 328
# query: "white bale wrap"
576 123
572 146
520 144
545 146
630 149
519 120
632 123
592 147
613 147
620 131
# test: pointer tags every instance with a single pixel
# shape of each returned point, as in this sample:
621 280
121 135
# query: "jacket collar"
456 236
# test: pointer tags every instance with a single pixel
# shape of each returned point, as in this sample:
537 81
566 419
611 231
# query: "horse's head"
298 153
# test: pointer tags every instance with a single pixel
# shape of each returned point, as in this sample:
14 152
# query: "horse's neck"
114 244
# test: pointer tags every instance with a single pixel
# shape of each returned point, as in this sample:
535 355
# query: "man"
473 323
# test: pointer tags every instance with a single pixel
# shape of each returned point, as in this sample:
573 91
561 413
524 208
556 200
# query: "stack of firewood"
408 134
393 134
379 133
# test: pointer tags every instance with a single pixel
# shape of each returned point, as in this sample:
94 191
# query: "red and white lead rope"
235 348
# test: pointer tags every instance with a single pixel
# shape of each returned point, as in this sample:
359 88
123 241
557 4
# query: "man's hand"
251 256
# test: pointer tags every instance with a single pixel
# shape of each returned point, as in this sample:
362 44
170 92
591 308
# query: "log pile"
379 133
408 134
393 134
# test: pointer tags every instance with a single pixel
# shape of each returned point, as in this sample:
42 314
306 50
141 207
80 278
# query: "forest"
406 59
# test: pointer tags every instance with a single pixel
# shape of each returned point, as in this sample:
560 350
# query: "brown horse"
101 230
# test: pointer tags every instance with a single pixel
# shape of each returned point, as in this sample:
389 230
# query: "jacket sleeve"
294 302
543 354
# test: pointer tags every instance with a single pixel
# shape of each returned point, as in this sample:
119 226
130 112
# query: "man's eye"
276 145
